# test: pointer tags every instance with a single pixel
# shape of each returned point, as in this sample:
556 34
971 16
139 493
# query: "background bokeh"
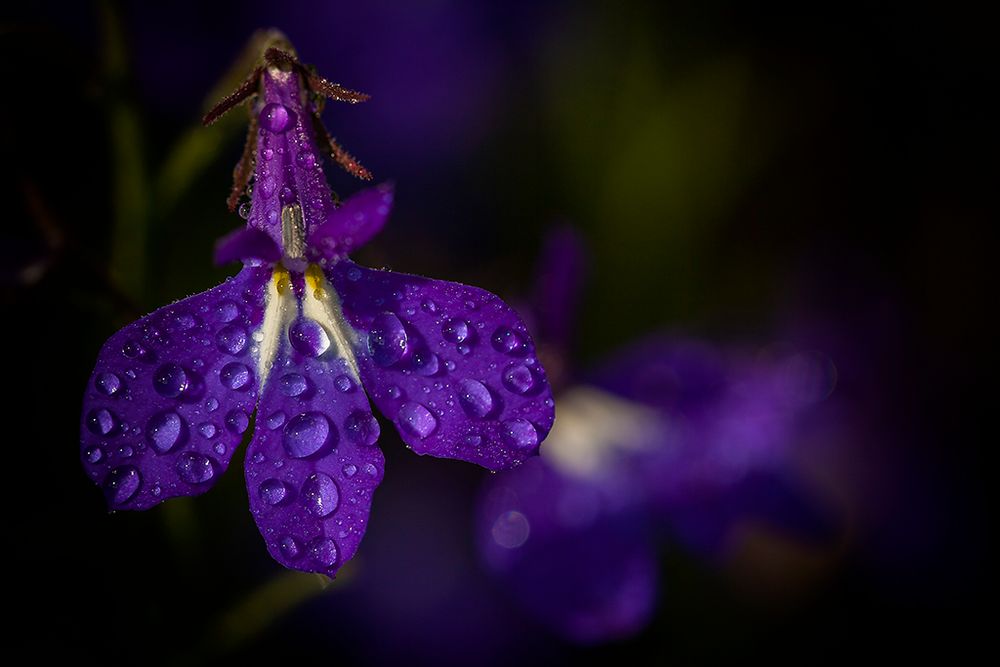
751 176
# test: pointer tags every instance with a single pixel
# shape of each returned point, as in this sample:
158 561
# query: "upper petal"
172 394
353 223
453 366
313 464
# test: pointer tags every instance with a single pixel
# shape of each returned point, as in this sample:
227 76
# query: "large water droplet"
293 384
164 430
93 454
290 547
170 380
475 398
276 118
416 420
386 339
320 494
237 421
425 363
519 433
207 430
276 420
235 375
455 331
101 421
108 383
362 427
273 491
195 468
308 337
343 384
306 434
121 484
349 470
211 404
506 340
518 379
324 551
231 339
227 311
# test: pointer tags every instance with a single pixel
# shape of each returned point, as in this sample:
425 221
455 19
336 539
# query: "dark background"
744 174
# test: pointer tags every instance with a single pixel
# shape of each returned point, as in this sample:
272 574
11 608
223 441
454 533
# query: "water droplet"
276 118
416 420
219 448
518 379
306 160
170 380
506 340
237 421
207 430
472 440
234 375
164 431
134 350
354 274
386 339
455 331
93 454
475 398
464 349
121 484
308 337
394 392
268 154
181 322
425 363
244 210
108 383
101 421
362 427
429 306
344 384
227 311
276 420
349 470
290 547
231 339
293 384
306 434
324 551
287 195
371 470
211 404
511 529
519 433
195 468
273 491
320 494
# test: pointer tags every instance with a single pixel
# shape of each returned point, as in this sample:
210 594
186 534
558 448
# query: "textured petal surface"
313 463
569 552
353 223
172 394
451 365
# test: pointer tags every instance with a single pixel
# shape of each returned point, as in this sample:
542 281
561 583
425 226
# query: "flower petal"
453 366
313 464
247 243
172 394
353 223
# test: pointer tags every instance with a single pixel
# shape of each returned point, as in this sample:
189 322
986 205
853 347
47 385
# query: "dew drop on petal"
343 384
227 311
164 431
134 350
455 331
518 378
290 547
93 454
207 430
349 470
323 550
425 363
386 339
231 339
272 491
122 483
519 433
308 337
320 494
276 420
276 118
101 421
506 340
195 468
108 383
475 398
170 381
416 420
234 375
306 434
362 427
237 421
211 404
293 384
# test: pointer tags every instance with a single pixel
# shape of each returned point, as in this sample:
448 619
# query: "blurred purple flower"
309 333
670 433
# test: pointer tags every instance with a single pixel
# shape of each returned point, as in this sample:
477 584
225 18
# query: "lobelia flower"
306 337
669 433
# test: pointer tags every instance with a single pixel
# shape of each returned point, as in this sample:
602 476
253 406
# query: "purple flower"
305 336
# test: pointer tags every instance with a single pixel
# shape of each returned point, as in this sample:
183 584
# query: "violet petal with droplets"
309 332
